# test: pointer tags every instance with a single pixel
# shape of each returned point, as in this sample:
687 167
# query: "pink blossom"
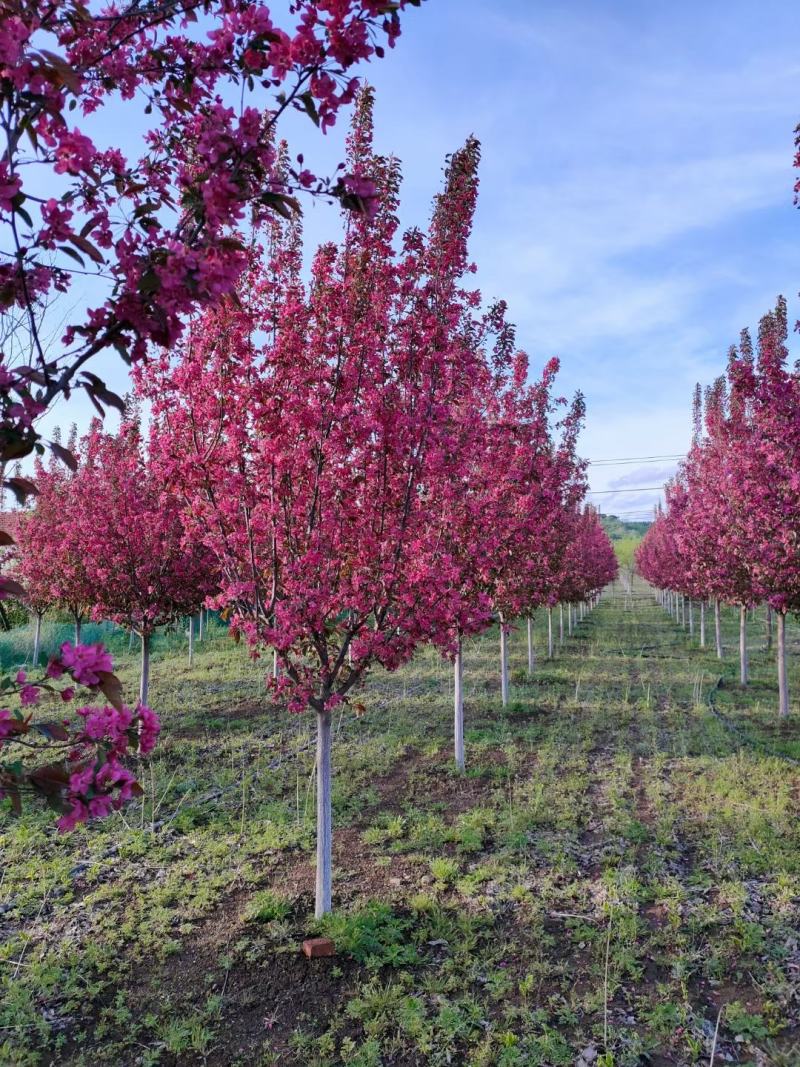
149 729
29 694
77 814
86 662
6 723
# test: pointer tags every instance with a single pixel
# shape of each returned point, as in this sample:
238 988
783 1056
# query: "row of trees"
349 467
729 532
106 541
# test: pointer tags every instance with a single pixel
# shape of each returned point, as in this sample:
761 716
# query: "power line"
633 459
635 489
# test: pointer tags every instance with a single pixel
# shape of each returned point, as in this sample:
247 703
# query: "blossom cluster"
87 778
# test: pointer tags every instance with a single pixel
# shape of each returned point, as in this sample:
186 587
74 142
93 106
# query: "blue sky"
636 200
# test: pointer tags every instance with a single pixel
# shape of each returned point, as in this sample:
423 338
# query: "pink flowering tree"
530 478
317 439
144 572
157 231
767 483
52 563
78 764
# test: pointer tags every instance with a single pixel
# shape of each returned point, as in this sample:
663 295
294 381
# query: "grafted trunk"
702 624
324 877
550 633
744 671
37 638
718 629
144 677
458 702
783 682
531 654
503 663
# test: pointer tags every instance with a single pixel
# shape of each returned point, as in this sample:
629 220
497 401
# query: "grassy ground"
615 878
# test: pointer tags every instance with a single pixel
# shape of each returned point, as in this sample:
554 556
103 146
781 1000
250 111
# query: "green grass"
618 868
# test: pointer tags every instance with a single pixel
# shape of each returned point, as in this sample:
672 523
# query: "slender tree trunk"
769 627
503 663
718 629
191 640
531 655
561 624
550 633
37 638
783 682
144 679
275 670
324 816
78 622
201 626
569 620
702 624
743 664
691 617
683 611
458 688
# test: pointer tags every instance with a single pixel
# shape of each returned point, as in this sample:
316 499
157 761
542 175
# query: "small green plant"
444 870
373 935
266 906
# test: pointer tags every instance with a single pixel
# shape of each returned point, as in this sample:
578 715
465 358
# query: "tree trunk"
458 732
702 624
191 640
783 684
78 621
503 663
37 638
144 679
691 617
743 665
550 633
769 627
275 671
718 629
561 624
569 620
201 626
324 816
531 656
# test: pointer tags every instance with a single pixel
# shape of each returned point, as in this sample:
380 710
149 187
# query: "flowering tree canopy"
210 81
